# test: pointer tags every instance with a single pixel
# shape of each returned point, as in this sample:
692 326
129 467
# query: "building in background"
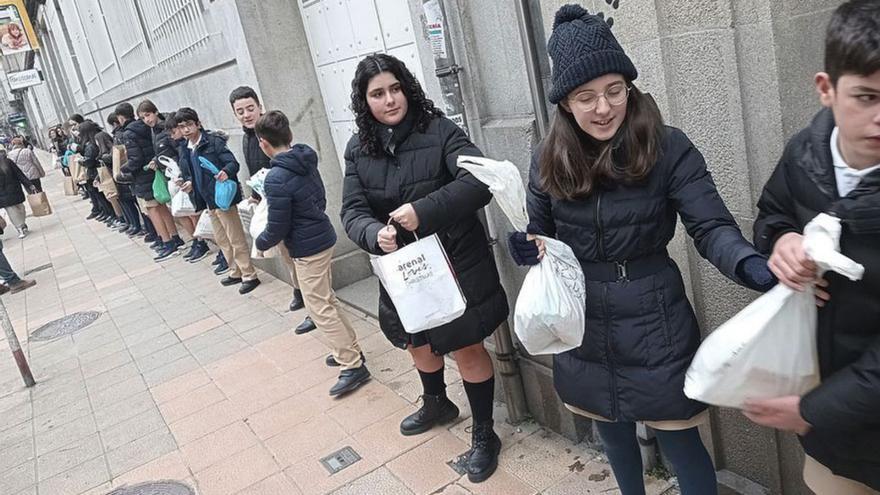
734 74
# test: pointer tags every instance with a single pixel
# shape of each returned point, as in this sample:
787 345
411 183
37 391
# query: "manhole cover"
154 488
65 326
37 269
340 460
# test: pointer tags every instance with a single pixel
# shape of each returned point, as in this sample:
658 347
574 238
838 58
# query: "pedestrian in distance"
102 210
248 109
833 166
228 230
12 198
297 200
11 281
610 180
402 180
27 161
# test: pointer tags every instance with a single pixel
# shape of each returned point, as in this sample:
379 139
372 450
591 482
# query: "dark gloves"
523 252
755 274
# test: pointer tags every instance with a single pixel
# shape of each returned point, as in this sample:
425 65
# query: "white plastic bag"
181 205
419 280
204 230
549 314
256 181
172 169
769 349
258 224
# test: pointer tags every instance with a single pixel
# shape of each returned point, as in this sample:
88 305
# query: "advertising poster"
16 32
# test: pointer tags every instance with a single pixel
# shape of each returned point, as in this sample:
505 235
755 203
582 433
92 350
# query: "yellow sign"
16 32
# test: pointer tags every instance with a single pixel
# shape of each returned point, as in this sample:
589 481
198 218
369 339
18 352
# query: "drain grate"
66 325
340 460
38 269
155 488
459 464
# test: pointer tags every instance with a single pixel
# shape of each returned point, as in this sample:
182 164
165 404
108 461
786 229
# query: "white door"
340 34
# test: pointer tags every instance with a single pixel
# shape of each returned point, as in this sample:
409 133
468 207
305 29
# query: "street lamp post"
15 347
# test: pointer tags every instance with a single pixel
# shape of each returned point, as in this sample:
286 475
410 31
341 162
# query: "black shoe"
92 215
331 362
189 253
177 242
248 285
158 245
226 282
435 410
219 259
199 251
150 238
221 269
349 380
485 447
306 326
297 303
166 253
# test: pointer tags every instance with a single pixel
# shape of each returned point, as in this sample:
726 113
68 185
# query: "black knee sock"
481 396
433 383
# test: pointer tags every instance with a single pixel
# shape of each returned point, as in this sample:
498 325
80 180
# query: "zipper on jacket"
599 226
608 352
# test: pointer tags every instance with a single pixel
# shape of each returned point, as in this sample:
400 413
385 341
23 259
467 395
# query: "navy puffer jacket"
297 202
641 332
138 139
212 146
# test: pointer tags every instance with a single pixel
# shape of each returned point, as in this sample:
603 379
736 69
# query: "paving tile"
14 455
210 338
190 403
278 484
305 439
313 479
153 345
112 377
265 331
114 414
424 469
289 358
214 447
258 372
118 392
108 363
388 366
170 466
162 357
208 420
501 481
541 459
131 429
96 353
367 405
59 399
220 350
170 371
18 478
379 481
199 327
17 415
237 472
79 479
65 434
233 362
284 415
180 386
260 396
383 439
140 451
69 456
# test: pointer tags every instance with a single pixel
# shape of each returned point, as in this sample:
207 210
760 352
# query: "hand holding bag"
39 204
769 349
160 188
420 281
224 192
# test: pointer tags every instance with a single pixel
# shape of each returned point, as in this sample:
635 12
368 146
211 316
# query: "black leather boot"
435 410
349 380
306 326
485 447
297 302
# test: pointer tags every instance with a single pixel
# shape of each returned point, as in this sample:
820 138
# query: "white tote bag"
259 219
769 348
549 314
204 230
420 281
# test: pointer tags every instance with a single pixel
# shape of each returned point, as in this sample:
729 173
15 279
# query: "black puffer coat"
254 157
138 139
845 409
641 333
423 171
297 202
11 181
91 160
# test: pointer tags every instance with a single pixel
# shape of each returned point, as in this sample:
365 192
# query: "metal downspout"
530 51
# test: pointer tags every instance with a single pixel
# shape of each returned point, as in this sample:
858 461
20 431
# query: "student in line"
834 166
247 109
297 200
610 180
401 179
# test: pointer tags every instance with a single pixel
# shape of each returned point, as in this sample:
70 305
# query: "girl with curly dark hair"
401 179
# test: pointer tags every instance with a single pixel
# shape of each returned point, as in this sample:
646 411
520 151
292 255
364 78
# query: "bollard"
15 346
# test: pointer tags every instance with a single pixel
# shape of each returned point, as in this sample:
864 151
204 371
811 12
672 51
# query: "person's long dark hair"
87 132
372 66
572 164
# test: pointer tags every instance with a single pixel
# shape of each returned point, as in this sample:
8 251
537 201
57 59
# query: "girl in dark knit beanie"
610 180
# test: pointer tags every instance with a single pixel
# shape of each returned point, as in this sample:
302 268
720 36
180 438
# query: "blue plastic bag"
224 192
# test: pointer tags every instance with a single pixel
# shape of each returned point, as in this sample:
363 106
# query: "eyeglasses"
587 101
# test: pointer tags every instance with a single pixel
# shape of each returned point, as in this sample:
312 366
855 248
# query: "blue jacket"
213 147
297 201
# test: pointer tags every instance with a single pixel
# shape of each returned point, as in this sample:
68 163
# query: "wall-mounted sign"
24 78
16 32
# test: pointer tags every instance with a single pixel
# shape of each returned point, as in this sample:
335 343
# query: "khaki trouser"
314 277
289 263
229 235
117 209
822 481
17 214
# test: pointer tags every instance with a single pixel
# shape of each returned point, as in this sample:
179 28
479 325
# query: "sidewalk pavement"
183 379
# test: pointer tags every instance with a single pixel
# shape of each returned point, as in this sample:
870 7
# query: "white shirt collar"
847 177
